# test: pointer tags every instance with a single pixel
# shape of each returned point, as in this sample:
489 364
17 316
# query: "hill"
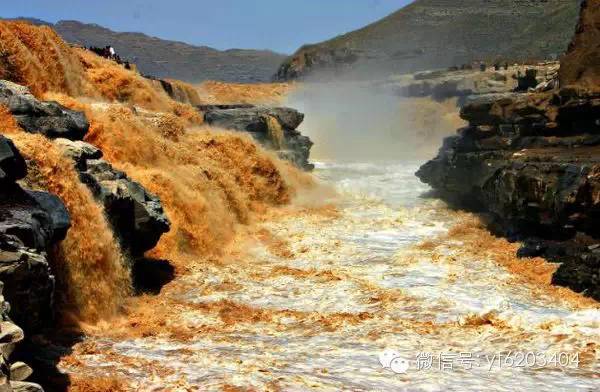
430 34
171 59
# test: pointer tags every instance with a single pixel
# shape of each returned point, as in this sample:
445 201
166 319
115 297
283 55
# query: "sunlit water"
355 286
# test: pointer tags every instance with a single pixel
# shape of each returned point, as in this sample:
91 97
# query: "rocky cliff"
430 34
461 83
580 64
274 128
531 161
30 223
33 222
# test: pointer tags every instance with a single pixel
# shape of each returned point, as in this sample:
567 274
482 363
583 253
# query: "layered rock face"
451 83
275 128
136 215
30 222
533 162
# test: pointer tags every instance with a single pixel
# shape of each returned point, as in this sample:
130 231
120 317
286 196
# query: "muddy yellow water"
374 290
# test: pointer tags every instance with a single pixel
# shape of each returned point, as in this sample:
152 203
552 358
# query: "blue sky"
280 25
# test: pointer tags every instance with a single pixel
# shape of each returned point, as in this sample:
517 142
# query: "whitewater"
324 294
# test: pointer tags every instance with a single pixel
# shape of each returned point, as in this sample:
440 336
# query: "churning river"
378 289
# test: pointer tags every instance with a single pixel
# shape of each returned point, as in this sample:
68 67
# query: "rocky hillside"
531 161
429 34
170 59
580 66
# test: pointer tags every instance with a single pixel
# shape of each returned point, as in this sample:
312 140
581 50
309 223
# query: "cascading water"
314 297
355 292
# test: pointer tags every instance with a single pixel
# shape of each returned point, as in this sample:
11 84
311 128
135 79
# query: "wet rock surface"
30 223
136 215
535 168
48 118
533 162
12 164
274 128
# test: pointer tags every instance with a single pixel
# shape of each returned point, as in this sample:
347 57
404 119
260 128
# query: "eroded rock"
275 128
533 162
48 118
534 167
30 223
136 215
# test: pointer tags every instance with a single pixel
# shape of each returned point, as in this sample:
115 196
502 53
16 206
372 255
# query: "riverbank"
530 159
310 297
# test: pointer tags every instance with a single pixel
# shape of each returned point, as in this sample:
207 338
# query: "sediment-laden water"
317 297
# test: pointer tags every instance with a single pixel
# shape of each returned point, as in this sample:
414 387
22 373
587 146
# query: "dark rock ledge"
30 222
533 162
136 215
275 128
48 118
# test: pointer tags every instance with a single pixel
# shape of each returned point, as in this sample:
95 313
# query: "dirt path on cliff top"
319 297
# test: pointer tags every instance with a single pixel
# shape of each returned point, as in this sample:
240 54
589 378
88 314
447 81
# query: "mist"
359 121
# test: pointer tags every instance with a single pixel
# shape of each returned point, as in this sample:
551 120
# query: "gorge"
159 236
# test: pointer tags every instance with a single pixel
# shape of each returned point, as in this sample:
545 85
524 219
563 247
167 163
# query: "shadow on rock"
43 352
150 275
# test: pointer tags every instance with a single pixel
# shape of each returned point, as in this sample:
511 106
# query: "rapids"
320 293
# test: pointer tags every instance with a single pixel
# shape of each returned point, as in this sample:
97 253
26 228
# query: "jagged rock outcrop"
275 128
580 65
28 283
136 215
533 162
526 159
48 118
30 222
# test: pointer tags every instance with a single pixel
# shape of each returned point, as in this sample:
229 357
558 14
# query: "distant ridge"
430 34
172 59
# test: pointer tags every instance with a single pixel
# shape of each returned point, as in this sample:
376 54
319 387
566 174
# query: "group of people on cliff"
108 52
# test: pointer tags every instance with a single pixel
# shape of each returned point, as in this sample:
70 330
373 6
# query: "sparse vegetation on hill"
430 34
177 60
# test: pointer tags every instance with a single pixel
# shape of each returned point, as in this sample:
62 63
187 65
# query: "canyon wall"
531 161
